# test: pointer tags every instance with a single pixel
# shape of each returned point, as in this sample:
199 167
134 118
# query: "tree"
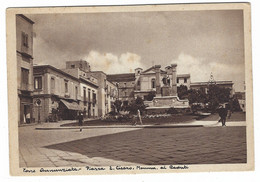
196 96
137 104
217 95
118 105
213 97
182 91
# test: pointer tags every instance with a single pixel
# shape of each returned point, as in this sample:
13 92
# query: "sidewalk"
51 124
195 123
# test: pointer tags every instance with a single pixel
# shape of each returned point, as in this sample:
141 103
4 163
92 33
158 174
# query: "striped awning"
71 105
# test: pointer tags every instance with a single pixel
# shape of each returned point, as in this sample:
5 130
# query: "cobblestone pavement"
33 152
131 146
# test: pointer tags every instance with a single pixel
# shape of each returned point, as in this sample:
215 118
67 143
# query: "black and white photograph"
130 89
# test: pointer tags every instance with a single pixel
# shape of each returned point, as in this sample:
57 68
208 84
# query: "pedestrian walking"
28 117
134 120
222 111
80 118
139 116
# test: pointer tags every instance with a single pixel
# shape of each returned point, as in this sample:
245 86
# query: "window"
94 99
105 83
125 94
25 39
72 66
89 95
84 96
185 80
76 92
177 80
52 83
138 83
153 83
66 86
38 83
25 76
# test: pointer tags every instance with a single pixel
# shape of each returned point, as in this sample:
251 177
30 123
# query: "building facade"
241 97
105 93
56 94
111 96
143 82
183 79
125 83
24 53
80 64
204 85
88 87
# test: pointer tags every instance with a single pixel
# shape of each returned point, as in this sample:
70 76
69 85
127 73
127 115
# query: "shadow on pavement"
165 146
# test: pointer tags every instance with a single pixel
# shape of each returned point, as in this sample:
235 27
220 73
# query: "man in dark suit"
222 111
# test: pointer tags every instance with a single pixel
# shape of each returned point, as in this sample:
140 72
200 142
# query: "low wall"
169 102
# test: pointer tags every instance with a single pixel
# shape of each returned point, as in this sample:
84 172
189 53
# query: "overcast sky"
200 42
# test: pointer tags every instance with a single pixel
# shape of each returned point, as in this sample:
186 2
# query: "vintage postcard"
130 89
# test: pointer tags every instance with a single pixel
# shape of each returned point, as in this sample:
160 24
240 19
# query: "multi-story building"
24 53
125 84
106 91
141 83
112 95
183 79
88 86
56 94
80 64
241 97
205 85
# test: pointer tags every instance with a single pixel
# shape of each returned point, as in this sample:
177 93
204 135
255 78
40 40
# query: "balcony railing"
25 86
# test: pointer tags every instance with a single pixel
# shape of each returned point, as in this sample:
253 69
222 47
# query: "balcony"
25 87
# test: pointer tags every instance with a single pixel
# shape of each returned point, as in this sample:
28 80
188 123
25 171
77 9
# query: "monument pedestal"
169 102
166 91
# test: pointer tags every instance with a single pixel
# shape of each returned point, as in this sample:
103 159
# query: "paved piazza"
131 146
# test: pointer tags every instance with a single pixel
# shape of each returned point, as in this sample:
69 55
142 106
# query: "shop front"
69 109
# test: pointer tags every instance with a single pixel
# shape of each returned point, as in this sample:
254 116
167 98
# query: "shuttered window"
38 83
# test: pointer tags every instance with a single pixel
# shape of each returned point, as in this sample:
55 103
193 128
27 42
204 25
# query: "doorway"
27 114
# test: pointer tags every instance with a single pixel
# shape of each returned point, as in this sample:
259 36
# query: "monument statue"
166 89
166 80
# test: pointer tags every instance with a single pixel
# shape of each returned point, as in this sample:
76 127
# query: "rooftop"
217 82
64 73
26 18
121 77
183 75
